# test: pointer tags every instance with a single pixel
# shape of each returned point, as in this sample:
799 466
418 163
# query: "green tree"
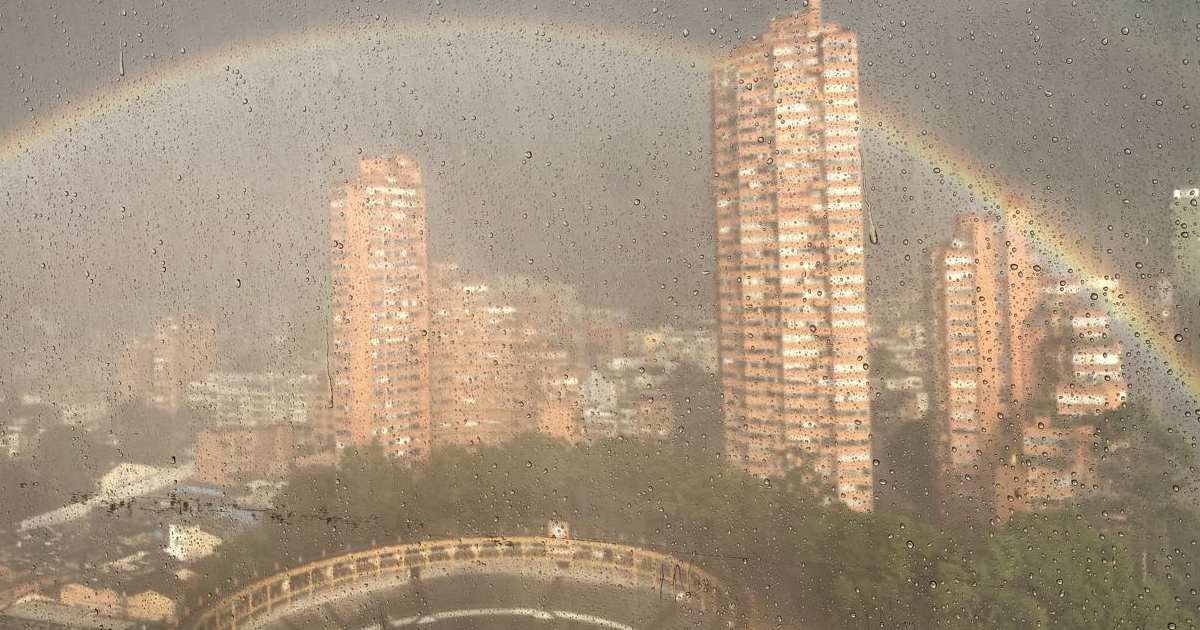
810 562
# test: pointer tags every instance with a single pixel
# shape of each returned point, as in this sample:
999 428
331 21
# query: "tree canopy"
810 563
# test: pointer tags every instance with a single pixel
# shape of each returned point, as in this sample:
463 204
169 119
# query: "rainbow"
1050 237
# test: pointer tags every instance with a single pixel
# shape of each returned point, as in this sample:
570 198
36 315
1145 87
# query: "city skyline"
929 126
806 315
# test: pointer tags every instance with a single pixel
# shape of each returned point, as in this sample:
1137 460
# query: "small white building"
188 544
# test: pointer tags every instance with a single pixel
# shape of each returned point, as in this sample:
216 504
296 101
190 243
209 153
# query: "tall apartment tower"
984 294
379 350
791 285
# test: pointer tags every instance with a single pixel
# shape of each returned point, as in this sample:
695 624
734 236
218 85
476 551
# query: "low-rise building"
1055 466
624 398
247 400
190 543
150 606
102 601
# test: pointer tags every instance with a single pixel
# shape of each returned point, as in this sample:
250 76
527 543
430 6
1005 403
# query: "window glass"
786 313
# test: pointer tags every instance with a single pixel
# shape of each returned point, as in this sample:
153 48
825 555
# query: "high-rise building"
1080 376
791 285
967 324
1185 241
984 292
505 358
1081 356
481 390
552 346
379 337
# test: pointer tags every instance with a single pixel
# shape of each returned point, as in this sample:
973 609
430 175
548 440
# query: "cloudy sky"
177 156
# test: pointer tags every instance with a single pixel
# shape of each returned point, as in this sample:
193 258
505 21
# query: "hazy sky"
209 190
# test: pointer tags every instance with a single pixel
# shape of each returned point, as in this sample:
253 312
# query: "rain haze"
1001 332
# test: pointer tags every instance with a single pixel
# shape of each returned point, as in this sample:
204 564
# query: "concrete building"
22 419
1055 464
246 400
103 601
555 343
984 291
11 439
902 383
380 308
1185 241
480 387
38 611
1080 376
668 344
258 424
505 357
624 398
1081 357
189 543
791 285
150 606
157 369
